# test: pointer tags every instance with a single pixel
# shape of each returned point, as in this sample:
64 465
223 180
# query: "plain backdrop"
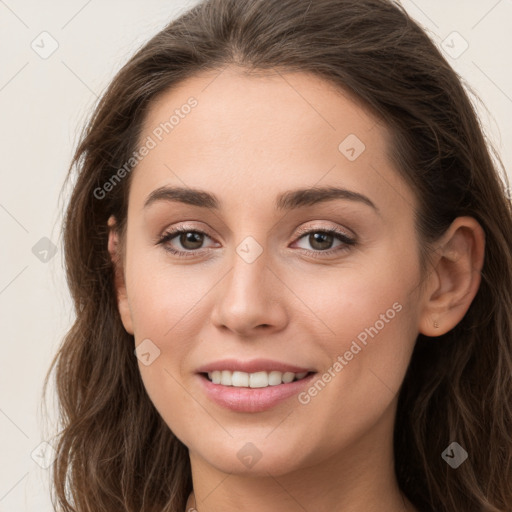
44 101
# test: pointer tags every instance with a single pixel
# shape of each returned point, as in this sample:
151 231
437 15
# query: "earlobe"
455 277
119 280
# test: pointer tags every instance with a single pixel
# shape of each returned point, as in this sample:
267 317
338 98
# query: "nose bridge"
248 278
247 297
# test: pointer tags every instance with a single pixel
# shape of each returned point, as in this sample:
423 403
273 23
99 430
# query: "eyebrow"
289 200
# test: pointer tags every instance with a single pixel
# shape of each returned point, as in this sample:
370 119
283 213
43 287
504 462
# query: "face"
323 281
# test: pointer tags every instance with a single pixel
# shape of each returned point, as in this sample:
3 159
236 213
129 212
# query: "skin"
249 139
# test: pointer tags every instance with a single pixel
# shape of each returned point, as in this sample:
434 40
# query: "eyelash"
340 235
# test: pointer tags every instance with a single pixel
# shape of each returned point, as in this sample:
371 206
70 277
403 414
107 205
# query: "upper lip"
252 366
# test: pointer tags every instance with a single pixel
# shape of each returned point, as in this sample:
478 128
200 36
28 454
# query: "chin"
257 458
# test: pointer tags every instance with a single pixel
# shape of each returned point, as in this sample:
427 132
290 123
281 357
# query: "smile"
260 379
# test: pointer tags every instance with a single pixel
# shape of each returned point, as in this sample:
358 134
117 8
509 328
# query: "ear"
120 285
455 278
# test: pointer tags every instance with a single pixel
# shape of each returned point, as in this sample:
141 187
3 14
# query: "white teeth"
239 379
253 380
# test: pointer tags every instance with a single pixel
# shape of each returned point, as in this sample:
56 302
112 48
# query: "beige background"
43 103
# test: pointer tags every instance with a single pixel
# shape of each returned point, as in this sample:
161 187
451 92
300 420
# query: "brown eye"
191 240
183 241
320 241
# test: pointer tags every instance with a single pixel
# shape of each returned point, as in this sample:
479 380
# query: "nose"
250 298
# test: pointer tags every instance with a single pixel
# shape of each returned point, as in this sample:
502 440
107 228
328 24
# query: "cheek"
365 315
163 294
165 303
368 345
169 307
347 300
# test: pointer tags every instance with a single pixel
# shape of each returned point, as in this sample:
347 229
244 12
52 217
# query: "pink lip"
255 365
252 399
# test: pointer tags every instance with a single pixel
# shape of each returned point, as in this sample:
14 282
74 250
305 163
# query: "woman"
290 255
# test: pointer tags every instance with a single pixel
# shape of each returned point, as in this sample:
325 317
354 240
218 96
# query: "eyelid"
333 228
180 228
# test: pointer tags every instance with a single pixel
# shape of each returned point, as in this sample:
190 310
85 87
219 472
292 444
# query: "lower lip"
252 399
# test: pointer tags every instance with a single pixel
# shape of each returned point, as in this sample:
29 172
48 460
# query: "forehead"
262 103
270 130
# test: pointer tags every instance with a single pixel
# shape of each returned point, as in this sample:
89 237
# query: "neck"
395 503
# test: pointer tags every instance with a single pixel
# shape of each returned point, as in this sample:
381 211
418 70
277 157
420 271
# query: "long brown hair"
114 451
